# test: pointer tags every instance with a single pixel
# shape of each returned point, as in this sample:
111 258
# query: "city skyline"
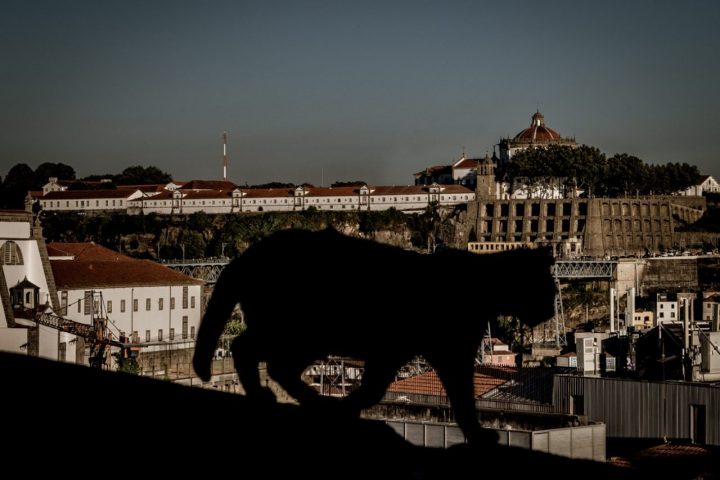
340 91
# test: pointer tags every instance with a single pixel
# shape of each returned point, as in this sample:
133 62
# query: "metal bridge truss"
206 269
572 269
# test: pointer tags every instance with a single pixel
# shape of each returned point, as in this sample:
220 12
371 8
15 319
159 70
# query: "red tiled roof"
201 194
332 191
429 384
86 251
85 194
537 134
36 193
266 192
78 274
208 185
97 266
467 163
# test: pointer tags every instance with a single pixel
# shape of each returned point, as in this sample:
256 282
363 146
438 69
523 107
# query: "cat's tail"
219 308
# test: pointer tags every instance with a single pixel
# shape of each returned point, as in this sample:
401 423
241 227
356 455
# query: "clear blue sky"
360 90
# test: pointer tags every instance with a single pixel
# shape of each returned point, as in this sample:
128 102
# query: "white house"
26 287
147 302
89 200
666 309
706 183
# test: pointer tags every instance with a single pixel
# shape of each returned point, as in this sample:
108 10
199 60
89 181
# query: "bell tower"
485 184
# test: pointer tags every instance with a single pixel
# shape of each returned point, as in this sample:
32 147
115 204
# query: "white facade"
21 258
172 199
707 184
666 310
149 304
88 200
157 316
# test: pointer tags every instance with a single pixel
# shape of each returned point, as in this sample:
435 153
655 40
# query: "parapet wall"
607 226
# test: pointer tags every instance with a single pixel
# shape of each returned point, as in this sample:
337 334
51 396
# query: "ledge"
81 417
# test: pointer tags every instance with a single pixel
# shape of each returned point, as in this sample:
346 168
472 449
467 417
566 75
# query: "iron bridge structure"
205 269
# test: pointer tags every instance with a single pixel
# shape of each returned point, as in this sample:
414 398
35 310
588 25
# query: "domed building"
536 135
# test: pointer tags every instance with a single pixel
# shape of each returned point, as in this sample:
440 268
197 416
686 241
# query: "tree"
142 175
18 181
46 170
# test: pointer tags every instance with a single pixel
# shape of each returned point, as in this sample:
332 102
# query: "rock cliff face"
200 235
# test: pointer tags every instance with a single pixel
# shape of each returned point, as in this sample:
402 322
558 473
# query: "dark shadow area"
72 417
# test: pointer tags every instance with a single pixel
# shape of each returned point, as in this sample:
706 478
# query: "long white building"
146 302
224 197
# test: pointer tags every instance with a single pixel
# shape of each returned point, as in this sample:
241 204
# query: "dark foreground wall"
82 420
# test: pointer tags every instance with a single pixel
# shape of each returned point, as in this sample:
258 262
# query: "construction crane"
96 335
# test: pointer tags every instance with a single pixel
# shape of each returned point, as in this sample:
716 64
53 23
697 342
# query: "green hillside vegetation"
202 235
591 171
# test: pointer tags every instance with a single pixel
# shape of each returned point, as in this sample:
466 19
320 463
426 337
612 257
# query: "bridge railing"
178 262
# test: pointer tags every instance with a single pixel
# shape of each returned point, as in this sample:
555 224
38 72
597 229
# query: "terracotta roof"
429 384
84 194
36 193
332 191
208 185
266 192
77 274
201 194
537 132
96 266
86 251
467 163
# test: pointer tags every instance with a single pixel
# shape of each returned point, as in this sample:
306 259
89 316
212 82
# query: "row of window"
535 209
89 304
81 203
88 203
171 337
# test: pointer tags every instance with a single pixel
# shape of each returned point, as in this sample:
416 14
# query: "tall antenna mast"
225 156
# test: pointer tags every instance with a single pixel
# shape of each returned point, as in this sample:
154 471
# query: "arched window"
10 254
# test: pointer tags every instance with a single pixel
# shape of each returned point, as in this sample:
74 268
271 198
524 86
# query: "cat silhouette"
306 295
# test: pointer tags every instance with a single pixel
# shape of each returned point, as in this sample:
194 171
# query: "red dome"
537 132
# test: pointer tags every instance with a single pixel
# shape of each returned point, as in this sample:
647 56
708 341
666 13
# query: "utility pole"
225 157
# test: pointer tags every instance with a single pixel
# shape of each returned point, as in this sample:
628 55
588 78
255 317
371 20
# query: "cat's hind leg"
246 355
286 372
457 372
376 379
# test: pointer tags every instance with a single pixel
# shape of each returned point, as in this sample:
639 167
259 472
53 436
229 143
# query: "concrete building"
149 303
26 287
598 226
642 409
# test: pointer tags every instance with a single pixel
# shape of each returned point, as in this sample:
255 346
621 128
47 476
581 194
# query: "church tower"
485 184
